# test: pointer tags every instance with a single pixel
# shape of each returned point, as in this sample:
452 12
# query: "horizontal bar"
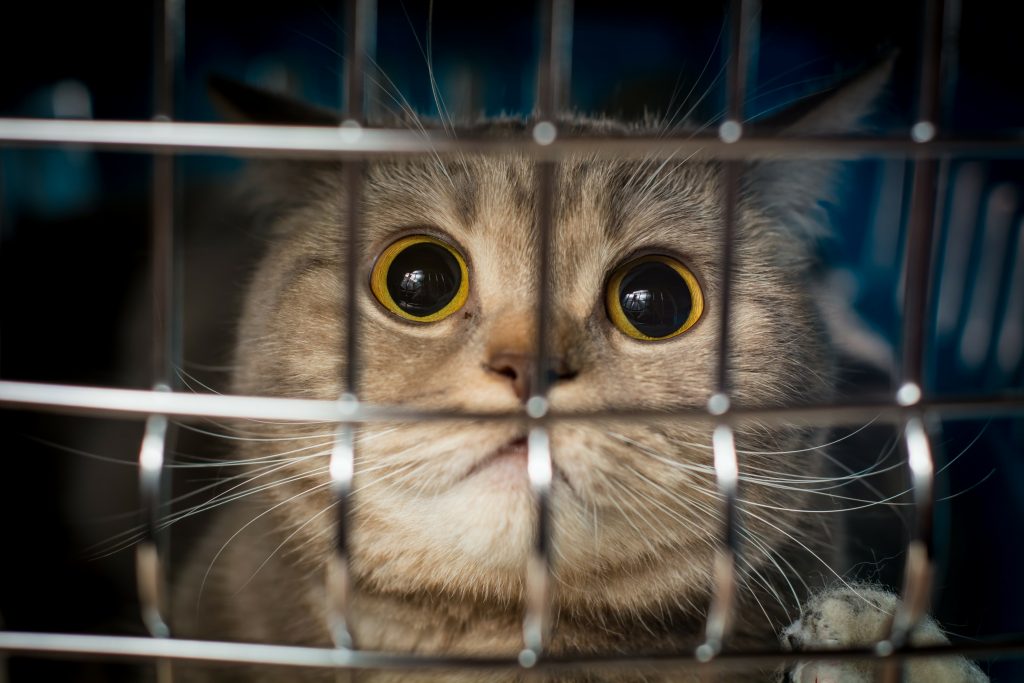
139 404
349 141
142 648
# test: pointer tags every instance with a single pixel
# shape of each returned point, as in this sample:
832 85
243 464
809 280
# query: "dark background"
74 247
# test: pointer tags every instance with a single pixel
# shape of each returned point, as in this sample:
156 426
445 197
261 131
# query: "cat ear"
792 190
270 186
835 110
244 103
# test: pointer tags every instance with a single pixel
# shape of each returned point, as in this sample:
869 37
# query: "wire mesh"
909 408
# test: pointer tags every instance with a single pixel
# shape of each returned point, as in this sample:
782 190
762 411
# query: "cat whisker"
628 519
811 448
230 437
206 575
810 552
226 496
188 380
283 543
803 483
274 458
404 106
784 485
669 122
394 92
745 533
826 81
129 537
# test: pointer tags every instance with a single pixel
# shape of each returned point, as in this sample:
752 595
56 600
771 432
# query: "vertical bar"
919 551
357 46
929 77
743 14
554 74
3 655
720 610
166 343
730 196
918 268
339 582
149 557
921 232
3 227
361 20
149 576
553 86
552 95
361 24
719 621
166 313
536 621
353 179
742 28
919 256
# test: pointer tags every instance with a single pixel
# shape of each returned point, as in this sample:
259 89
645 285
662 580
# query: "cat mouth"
508 463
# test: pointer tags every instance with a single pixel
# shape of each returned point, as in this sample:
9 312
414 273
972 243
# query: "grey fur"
438 556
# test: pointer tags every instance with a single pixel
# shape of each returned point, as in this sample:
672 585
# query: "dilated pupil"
423 278
655 298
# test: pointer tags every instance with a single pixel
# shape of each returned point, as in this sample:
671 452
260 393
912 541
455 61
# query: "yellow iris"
428 283
662 302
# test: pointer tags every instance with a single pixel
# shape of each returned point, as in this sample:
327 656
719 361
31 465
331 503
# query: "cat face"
445 507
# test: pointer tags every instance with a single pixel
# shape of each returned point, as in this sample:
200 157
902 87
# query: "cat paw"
858 616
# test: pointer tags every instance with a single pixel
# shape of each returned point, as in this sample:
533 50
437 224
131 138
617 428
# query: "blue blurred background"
73 237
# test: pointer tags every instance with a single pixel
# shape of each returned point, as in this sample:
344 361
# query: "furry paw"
844 617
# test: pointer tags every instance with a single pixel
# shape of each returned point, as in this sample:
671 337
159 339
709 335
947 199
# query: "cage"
927 246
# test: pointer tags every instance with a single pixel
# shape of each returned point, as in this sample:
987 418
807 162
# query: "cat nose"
520 369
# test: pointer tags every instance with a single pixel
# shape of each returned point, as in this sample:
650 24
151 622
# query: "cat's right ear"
242 103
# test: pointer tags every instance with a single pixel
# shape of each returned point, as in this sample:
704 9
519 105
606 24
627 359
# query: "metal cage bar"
150 562
726 464
361 20
553 76
181 649
136 403
919 566
358 143
324 142
166 328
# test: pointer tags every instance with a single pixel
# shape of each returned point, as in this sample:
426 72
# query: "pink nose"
521 371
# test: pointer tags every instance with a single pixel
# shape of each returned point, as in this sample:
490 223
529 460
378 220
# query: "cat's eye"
420 278
653 297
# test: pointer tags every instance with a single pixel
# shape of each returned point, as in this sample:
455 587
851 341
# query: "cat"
443 516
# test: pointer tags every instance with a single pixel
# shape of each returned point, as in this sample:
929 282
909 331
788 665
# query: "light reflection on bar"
313 142
719 620
552 94
362 143
147 649
139 404
919 264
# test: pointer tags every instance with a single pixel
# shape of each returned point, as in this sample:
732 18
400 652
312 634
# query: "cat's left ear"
792 189
271 185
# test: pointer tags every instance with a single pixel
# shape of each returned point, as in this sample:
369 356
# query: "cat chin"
474 543
490 570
